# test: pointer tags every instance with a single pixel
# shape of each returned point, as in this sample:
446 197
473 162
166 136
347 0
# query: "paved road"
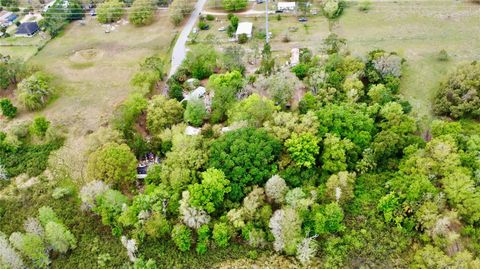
179 51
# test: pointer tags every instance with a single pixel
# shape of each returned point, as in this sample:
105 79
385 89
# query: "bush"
221 234
365 5
59 237
210 17
443 56
163 113
39 127
202 25
242 39
182 237
7 108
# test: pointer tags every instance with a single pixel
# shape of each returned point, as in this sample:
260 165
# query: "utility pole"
266 22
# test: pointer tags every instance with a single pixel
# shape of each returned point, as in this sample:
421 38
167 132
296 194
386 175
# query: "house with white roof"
286 6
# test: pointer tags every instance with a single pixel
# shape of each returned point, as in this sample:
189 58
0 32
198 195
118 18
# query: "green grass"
22 47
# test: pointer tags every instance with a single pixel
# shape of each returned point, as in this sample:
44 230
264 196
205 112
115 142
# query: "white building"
286 6
244 28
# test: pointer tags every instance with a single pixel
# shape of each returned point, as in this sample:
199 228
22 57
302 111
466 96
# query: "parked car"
302 19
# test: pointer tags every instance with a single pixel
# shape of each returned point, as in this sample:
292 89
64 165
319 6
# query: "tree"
284 124
31 245
285 226
39 126
209 195
225 88
8 110
254 109
178 10
329 220
33 92
202 239
59 237
109 206
46 215
110 11
276 188
114 164
334 156
201 61
221 234
232 59
8 256
182 237
182 162
195 112
267 64
303 149
11 71
247 157
459 95
280 87
346 122
163 113
59 14
340 186
234 5
142 12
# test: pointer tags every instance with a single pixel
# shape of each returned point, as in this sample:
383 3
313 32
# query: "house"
286 6
7 18
27 29
244 28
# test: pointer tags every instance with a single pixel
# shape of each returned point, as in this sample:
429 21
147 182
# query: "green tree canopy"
247 157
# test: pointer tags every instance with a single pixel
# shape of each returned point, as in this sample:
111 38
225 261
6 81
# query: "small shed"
244 28
295 57
286 6
27 29
196 94
192 131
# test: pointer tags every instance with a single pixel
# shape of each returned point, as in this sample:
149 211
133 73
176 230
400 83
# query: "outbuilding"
27 29
7 18
244 28
286 6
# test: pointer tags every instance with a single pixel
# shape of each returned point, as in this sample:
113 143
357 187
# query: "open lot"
22 47
416 30
92 70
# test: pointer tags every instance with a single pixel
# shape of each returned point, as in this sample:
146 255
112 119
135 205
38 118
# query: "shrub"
39 127
365 5
276 188
221 234
210 17
443 56
61 192
182 237
202 239
242 39
202 25
8 110
157 226
31 245
46 215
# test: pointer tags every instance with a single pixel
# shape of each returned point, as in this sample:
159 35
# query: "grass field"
92 71
416 30
23 47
